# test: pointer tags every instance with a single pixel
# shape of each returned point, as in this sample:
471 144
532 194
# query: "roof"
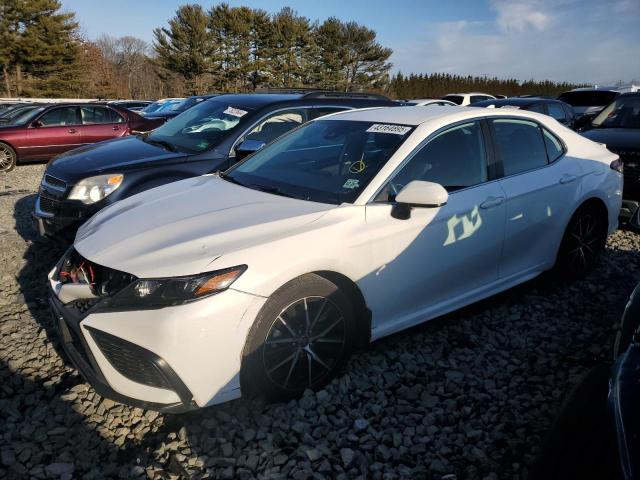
516 101
419 115
255 100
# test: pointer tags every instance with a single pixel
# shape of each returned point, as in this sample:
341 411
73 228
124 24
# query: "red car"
44 131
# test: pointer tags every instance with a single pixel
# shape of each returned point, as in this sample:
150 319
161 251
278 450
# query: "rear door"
541 185
101 123
55 131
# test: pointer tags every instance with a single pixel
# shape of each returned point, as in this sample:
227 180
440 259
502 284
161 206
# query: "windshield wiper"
273 190
231 179
162 143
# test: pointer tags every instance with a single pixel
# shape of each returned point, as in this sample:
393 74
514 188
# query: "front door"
55 131
429 263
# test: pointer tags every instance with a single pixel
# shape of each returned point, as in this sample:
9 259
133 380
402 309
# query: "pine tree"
185 46
39 48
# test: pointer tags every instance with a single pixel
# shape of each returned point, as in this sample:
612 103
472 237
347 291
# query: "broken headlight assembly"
164 292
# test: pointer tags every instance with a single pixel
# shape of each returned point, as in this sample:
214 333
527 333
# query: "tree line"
223 49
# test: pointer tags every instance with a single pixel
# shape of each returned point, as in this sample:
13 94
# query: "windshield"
201 127
624 112
457 99
20 116
588 98
327 161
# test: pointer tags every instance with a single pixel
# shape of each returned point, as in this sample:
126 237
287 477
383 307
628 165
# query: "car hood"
616 138
119 154
180 228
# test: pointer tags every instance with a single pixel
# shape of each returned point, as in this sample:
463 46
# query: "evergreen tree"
39 48
185 47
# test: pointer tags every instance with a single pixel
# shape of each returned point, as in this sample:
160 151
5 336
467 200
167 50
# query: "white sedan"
261 280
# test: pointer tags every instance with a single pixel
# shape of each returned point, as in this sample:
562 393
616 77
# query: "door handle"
492 202
567 178
115 128
73 130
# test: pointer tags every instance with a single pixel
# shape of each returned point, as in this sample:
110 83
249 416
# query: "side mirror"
37 124
418 193
248 147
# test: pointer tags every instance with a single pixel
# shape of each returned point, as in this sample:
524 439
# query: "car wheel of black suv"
301 338
583 241
7 158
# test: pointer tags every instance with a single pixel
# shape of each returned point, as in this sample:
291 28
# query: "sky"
579 41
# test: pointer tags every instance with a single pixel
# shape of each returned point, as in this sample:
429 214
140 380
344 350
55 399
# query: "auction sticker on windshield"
236 112
388 128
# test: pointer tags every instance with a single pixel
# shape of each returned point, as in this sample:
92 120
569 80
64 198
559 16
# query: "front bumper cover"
78 351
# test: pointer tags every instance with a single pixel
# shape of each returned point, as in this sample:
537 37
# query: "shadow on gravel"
41 255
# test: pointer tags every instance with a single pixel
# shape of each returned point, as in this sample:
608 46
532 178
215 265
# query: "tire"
288 351
583 242
8 158
580 444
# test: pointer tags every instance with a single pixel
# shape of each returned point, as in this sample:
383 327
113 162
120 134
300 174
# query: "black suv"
208 137
618 127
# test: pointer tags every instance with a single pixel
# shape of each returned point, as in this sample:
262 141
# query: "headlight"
93 189
164 292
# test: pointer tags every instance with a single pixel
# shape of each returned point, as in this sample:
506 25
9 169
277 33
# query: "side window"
277 124
556 111
60 117
322 111
455 159
538 107
96 115
554 148
478 98
519 145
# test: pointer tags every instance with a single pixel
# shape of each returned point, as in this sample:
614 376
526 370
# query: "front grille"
49 205
131 361
55 182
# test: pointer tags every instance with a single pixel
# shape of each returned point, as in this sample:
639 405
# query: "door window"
479 98
519 145
455 159
96 115
60 117
322 111
554 148
277 124
556 111
538 107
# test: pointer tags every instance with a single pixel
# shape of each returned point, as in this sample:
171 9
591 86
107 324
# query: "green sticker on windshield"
351 183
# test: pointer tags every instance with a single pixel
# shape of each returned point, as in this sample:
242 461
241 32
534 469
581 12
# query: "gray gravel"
470 395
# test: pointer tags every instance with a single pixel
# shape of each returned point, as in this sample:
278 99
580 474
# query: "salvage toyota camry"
261 280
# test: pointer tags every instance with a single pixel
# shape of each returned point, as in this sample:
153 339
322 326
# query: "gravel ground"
471 395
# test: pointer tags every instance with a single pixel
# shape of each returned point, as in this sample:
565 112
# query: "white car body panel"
408 271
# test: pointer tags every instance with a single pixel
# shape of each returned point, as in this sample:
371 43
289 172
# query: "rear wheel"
300 339
7 158
583 242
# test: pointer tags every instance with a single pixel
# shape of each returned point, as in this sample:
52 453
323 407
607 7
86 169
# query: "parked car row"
249 244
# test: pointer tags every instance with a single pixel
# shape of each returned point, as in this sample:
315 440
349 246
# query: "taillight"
617 165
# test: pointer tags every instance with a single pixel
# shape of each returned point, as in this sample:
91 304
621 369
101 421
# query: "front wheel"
7 158
301 338
583 242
